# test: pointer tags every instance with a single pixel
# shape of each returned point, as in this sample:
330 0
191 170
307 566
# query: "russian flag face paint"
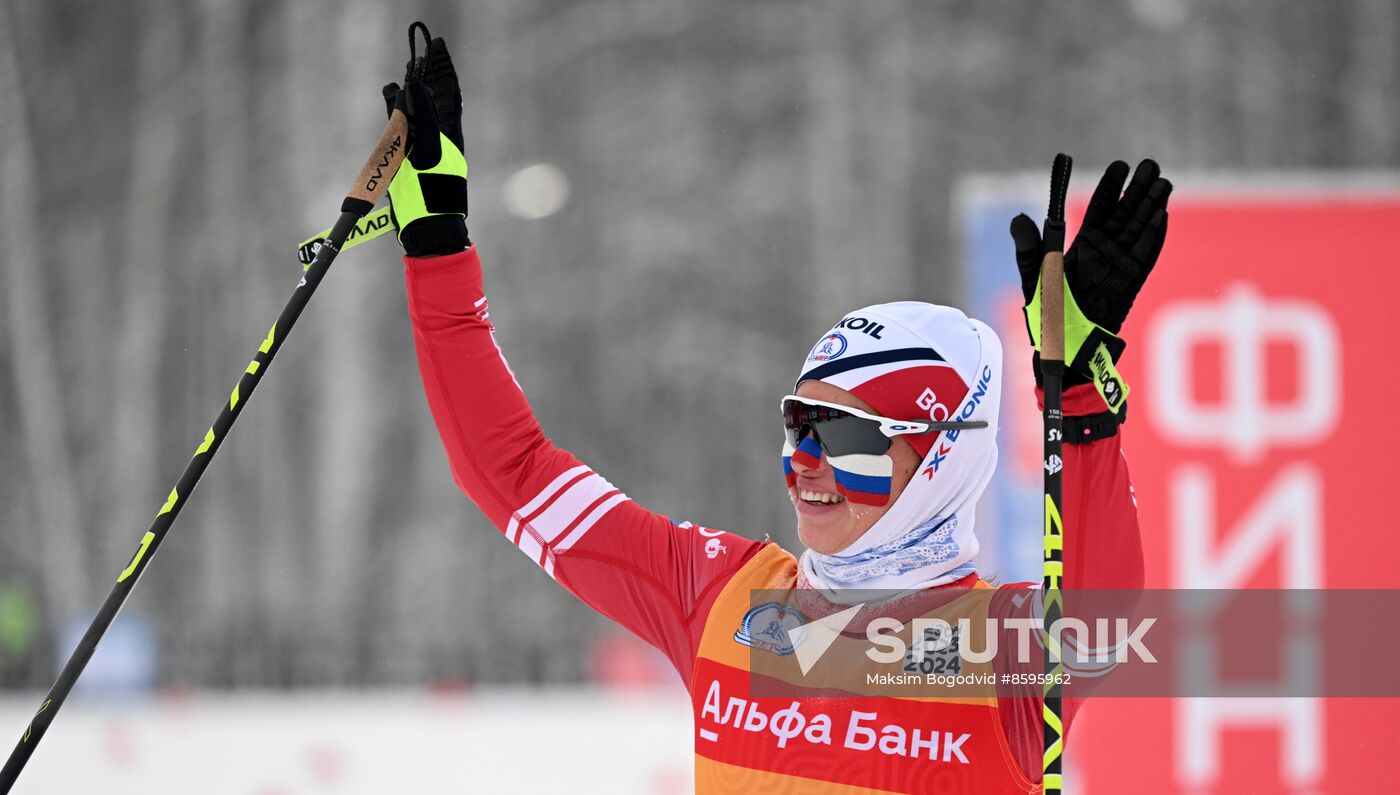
808 452
788 474
863 479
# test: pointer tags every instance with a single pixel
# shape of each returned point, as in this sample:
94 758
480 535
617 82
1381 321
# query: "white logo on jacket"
713 548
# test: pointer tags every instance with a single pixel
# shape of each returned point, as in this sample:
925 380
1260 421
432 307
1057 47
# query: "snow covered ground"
348 743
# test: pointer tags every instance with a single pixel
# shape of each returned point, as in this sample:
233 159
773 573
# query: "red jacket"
657 578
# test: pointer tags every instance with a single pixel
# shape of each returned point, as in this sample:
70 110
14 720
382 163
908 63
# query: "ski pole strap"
1090 349
368 228
417 66
1093 427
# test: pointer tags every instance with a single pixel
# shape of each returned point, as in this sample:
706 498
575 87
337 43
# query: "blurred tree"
48 521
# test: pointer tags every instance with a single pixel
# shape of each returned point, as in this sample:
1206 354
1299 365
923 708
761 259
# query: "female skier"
890 440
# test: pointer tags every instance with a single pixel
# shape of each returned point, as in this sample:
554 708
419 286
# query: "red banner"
1262 440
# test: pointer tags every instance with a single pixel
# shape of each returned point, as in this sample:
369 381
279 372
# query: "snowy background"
673 200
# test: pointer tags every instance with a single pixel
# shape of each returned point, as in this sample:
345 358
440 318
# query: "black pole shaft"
151 541
1052 363
1053 574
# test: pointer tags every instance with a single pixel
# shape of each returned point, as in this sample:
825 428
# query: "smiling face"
826 522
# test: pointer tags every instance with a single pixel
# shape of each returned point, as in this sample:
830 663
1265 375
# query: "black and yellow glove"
1105 268
428 197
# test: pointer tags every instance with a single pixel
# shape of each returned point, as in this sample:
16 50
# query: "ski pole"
1052 367
373 179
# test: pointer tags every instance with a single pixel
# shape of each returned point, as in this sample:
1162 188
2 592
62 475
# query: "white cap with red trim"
916 361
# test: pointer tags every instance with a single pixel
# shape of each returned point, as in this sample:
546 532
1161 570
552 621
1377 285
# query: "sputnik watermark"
1241 643
1111 641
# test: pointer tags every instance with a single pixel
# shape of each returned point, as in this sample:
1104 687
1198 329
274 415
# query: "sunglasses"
842 430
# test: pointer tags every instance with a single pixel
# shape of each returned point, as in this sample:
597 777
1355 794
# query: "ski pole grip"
379 169
1052 307
1052 268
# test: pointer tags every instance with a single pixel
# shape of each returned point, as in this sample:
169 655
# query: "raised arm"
653 576
1113 253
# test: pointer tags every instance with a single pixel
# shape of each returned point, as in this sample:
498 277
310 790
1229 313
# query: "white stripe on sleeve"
587 524
552 521
513 528
536 528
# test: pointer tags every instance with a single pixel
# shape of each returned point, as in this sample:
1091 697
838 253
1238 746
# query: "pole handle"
379 169
1052 307
1052 268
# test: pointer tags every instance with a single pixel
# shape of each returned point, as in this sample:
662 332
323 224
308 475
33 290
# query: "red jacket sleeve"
1103 545
655 577
1103 551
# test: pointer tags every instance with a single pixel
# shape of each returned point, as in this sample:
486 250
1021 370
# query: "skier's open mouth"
820 497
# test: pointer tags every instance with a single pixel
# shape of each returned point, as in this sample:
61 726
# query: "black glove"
428 197
1109 261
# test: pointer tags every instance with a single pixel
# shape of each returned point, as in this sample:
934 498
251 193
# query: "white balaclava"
913 361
